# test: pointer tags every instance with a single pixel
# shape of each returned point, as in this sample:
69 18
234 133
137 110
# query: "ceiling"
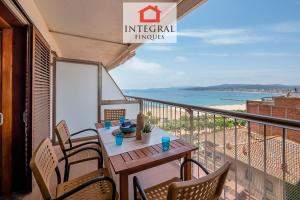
92 30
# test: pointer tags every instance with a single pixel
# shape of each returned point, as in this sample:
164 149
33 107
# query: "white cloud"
224 36
284 27
140 78
214 54
235 39
180 59
143 66
207 33
159 48
250 54
140 73
176 76
243 35
270 54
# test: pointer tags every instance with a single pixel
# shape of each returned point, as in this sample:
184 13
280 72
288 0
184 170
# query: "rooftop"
274 164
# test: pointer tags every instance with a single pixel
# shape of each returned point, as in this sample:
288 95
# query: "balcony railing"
264 153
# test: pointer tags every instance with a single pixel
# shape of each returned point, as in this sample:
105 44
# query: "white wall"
77 94
110 91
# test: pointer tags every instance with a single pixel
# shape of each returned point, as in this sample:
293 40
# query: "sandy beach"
175 113
231 107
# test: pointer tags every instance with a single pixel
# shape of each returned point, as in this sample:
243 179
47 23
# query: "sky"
222 42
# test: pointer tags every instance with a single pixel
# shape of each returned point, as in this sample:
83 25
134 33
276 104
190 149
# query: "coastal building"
256 173
287 107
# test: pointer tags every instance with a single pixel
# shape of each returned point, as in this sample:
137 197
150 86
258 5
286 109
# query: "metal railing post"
191 128
265 159
284 165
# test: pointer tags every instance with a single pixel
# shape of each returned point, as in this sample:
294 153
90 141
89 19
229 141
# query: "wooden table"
134 161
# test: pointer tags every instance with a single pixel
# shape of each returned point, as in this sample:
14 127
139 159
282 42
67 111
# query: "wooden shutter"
40 89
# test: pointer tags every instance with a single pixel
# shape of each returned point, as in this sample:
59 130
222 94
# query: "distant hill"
274 88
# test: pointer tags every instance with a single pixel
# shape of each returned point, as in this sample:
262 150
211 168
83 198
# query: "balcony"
265 161
60 71
264 166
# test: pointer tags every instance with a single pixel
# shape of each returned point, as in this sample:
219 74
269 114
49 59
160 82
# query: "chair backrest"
63 134
113 114
206 188
43 164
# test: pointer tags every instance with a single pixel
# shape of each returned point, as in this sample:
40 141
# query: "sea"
198 97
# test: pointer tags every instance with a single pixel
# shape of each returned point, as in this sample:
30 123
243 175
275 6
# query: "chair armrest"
83 144
80 150
88 183
138 188
89 129
193 161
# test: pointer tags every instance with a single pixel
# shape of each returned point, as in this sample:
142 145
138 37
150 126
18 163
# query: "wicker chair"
206 188
102 124
91 186
113 114
82 152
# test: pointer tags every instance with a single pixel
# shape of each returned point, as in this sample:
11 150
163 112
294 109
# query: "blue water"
199 98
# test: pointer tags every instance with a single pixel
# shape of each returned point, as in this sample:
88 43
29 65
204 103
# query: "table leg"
123 186
188 167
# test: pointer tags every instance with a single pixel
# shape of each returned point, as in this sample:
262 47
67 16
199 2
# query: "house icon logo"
151 22
150 10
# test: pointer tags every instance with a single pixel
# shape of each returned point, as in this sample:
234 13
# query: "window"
40 89
248 175
269 186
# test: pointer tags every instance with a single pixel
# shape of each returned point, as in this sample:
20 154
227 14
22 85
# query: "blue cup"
165 143
119 138
107 124
122 119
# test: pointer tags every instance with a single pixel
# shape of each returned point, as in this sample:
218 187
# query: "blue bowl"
128 129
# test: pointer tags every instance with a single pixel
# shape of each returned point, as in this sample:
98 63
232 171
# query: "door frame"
14 64
6 108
